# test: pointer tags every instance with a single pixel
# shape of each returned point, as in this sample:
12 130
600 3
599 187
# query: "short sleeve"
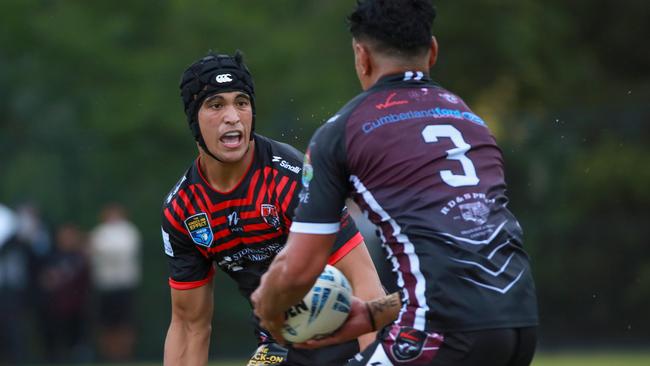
188 267
347 239
324 181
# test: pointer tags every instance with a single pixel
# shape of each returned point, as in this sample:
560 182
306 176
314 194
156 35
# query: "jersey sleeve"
347 239
188 267
324 181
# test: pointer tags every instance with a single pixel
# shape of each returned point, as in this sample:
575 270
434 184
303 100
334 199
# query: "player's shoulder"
184 181
340 117
333 130
281 156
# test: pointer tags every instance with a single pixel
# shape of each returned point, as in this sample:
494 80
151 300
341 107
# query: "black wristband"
372 318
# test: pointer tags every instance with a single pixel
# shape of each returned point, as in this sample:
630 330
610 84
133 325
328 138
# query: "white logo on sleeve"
175 190
286 165
168 245
223 78
289 167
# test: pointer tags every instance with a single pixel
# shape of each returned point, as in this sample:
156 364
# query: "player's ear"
362 62
433 55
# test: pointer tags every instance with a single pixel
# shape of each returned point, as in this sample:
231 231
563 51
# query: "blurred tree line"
90 113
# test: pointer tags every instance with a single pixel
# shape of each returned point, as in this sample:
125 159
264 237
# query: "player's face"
225 120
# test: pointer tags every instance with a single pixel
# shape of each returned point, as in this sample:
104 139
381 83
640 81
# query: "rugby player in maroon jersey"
427 171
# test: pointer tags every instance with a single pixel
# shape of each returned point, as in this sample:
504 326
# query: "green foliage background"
90 112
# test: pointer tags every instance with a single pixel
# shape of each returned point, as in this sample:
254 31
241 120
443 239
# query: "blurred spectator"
32 231
13 282
65 281
115 254
34 234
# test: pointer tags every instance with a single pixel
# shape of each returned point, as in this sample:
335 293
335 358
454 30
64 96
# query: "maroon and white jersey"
427 171
241 230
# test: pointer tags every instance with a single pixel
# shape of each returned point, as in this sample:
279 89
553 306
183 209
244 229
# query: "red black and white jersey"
427 171
240 230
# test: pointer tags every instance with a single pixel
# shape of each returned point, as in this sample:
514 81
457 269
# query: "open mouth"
231 139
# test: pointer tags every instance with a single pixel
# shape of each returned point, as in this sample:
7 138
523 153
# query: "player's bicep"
359 269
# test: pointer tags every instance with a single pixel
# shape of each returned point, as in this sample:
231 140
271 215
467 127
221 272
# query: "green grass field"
593 359
556 359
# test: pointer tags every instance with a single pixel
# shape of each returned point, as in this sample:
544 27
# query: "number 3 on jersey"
431 133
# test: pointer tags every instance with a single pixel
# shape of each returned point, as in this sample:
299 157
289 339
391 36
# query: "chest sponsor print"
234 223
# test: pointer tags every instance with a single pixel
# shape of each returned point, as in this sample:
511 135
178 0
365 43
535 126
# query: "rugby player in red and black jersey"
232 209
428 172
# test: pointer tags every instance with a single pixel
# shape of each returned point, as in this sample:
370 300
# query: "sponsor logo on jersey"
289 167
233 223
230 265
167 244
408 344
476 212
270 354
176 188
449 97
223 78
236 261
304 196
410 75
270 215
307 175
285 164
463 199
307 170
390 102
436 113
199 228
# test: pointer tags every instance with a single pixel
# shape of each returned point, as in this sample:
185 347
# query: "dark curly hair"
394 27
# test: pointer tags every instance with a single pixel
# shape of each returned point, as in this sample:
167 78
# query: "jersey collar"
419 77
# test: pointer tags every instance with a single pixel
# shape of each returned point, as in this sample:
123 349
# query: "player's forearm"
385 310
371 290
361 272
187 344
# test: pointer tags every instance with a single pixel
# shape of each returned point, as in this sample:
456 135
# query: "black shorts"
397 345
116 307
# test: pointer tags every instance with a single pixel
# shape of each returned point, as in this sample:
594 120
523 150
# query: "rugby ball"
323 309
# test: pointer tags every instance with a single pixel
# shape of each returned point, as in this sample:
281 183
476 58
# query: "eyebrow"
217 96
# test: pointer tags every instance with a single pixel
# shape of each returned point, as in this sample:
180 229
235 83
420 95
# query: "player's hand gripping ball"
323 309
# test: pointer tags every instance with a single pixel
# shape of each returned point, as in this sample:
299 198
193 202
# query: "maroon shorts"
397 345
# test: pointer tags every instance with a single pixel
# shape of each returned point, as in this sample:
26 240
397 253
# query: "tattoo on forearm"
385 304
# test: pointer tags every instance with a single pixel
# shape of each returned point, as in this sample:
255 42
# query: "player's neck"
394 70
226 176
383 67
